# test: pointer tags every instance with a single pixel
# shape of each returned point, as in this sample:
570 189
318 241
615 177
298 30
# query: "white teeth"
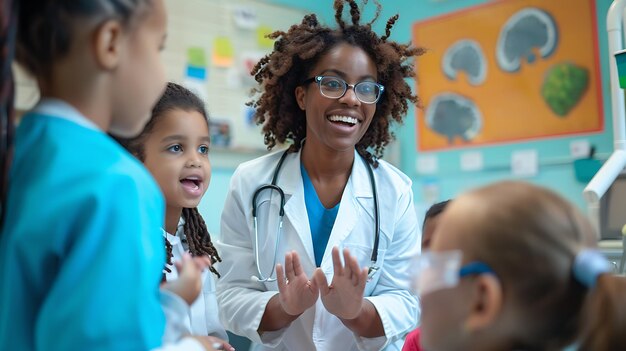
344 119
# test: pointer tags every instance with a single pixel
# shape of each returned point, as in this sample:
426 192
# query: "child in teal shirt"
80 248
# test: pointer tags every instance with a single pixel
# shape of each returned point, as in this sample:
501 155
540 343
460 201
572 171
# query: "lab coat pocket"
363 255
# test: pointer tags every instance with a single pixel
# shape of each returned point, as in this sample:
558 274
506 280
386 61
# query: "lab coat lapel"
290 179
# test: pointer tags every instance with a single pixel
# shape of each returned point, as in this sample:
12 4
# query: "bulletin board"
508 71
211 47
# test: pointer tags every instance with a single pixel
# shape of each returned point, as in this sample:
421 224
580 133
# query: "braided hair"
196 232
198 237
301 47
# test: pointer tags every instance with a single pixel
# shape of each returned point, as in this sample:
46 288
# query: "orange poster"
507 71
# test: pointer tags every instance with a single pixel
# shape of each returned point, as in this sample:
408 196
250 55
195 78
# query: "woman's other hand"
344 296
297 292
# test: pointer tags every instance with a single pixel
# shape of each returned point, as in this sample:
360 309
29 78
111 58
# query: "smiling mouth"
343 119
191 183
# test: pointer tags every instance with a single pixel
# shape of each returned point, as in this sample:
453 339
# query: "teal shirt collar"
61 109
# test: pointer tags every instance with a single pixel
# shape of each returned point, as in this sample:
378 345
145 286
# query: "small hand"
344 296
297 293
202 262
189 282
212 343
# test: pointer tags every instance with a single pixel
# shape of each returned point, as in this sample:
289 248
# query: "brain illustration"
526 34
452 115
465 56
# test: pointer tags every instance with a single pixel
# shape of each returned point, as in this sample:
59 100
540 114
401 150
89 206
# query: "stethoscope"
273 187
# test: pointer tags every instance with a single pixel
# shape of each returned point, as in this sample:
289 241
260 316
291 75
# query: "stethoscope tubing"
261 277
273 187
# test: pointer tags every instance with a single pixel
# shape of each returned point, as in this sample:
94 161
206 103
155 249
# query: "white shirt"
203 315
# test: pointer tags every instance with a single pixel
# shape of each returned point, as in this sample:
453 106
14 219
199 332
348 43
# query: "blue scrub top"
81 251
321 219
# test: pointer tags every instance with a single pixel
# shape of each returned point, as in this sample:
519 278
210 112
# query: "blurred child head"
430 222
516 288
174 146
101 56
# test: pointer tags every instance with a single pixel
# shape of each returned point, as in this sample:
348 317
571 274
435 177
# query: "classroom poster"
508 71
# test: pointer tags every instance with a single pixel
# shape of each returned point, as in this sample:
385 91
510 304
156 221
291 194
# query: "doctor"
349 228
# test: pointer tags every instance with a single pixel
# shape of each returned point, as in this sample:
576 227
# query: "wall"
225 88
197 23
556 170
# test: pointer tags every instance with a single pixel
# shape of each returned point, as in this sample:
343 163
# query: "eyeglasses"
334 88
441 270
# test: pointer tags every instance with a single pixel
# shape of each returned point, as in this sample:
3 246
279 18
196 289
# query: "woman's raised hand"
297 292
344 296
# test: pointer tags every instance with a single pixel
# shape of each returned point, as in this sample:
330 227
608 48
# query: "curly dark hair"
301 47
197 235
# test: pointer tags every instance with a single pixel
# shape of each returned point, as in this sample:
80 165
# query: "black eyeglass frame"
318 81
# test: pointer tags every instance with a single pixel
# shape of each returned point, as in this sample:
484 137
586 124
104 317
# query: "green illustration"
564 86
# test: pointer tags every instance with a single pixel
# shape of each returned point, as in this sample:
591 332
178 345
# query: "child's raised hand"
212 343
202 262
189 282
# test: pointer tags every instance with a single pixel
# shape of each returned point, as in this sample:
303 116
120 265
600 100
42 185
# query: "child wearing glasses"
511 267
431 219
319 260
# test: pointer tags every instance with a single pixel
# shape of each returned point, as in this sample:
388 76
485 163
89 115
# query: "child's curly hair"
300 48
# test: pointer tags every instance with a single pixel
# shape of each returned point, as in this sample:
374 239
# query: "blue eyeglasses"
439 270
334 88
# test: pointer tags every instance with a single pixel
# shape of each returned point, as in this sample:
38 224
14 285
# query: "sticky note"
223 52
196 57
262 39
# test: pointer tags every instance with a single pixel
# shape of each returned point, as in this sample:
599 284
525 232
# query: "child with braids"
80 243
512 266
174 146
332 95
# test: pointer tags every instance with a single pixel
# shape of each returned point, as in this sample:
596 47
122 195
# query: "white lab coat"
242 301
201 318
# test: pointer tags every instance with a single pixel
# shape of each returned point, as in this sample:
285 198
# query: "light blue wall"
213 200
451 181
